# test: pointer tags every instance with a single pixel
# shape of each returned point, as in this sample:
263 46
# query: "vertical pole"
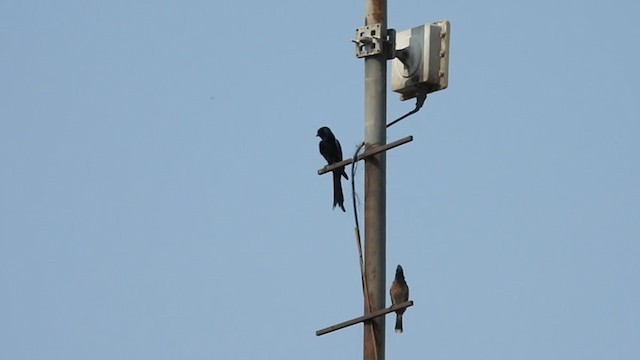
375 111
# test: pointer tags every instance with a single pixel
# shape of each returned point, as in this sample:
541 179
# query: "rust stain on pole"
376 13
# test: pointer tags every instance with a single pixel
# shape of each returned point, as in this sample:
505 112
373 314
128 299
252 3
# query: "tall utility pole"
420 65
375 217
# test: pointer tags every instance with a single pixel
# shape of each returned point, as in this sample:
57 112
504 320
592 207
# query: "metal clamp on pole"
391 44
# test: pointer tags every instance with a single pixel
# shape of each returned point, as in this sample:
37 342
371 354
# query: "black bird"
399 294
332 152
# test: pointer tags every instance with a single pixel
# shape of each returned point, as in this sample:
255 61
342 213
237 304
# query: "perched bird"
399 294
332 152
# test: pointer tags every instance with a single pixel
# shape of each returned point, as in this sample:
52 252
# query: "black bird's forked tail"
338 196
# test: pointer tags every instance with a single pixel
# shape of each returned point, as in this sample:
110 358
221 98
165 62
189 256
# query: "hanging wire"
354 166
420 99
365 288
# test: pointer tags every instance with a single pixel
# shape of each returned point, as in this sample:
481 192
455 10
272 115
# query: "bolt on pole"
375 110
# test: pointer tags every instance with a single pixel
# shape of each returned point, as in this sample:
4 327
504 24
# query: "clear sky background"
159 196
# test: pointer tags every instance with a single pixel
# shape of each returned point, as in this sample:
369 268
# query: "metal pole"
375 111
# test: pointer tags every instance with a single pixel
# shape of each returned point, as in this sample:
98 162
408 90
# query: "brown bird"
399 293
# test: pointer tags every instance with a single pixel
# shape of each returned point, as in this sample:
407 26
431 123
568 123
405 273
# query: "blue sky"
159 195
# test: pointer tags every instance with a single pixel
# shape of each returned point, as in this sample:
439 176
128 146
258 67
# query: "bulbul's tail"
338 197
399 323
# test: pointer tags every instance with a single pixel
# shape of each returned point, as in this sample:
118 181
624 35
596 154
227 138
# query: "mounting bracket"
368 40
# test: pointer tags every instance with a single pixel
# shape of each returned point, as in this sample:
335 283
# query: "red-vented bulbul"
399 294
